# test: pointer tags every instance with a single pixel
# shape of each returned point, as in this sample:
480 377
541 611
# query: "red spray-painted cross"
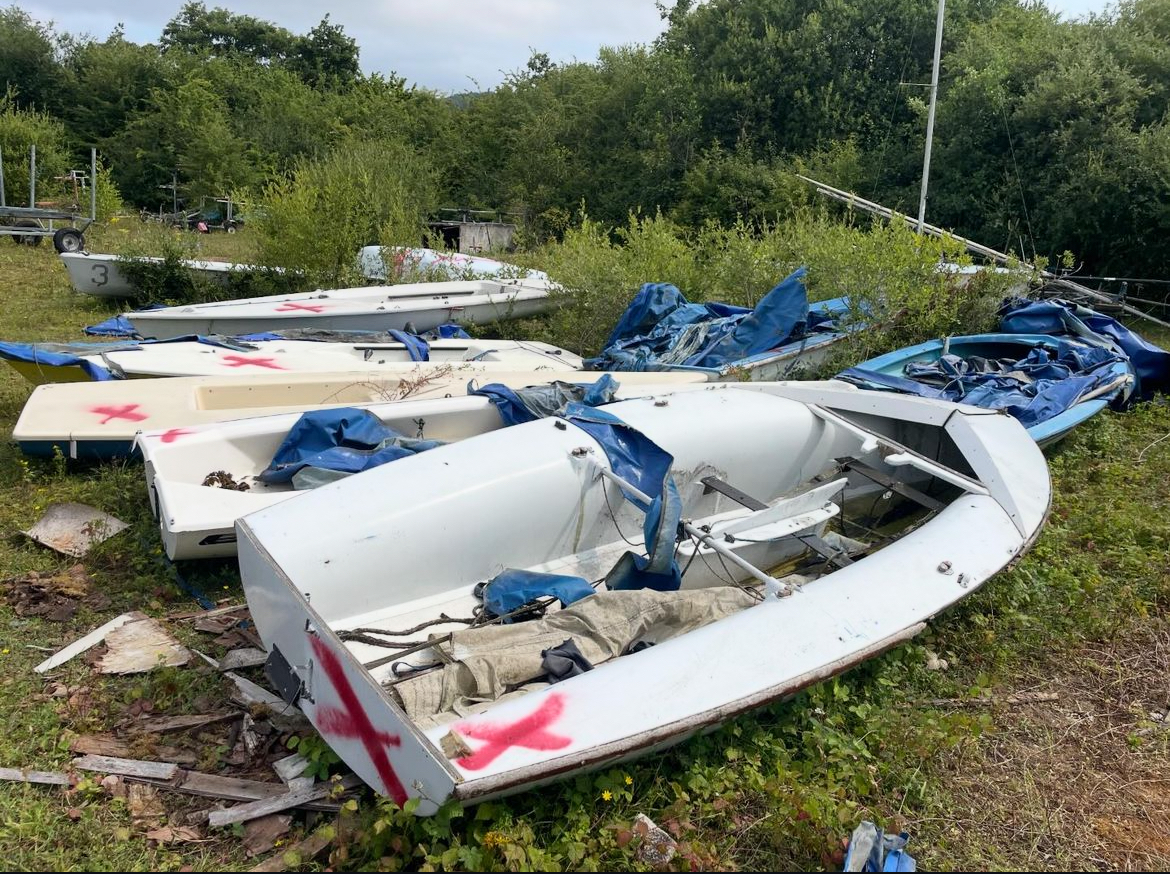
173 434
306 307
351 721
240 361
126 411
528 732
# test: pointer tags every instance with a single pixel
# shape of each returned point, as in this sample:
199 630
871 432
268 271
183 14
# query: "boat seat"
784 517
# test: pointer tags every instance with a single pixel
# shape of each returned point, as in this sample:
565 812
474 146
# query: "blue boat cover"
344 440
1151 363
325 445
539 401
646 466
1033 389
660 328
513 588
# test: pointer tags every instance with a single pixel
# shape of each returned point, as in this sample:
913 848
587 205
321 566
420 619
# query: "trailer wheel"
68 240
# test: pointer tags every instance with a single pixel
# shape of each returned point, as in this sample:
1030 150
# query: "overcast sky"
450 47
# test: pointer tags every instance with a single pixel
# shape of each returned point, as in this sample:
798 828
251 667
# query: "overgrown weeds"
889 274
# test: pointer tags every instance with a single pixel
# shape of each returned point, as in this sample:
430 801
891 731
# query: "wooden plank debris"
245 812
108 745
261 835
47 778
300 853
166 775
161 724
127 767
215 611
82 644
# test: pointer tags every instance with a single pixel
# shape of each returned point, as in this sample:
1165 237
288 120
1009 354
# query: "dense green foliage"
1051 133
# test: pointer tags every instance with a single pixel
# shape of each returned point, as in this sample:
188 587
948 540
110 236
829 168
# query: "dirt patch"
1079 783
55 597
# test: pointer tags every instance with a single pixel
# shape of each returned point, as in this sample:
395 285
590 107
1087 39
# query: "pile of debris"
232 752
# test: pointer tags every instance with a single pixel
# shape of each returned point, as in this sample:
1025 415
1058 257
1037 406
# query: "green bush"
889 273
361 193
154 263
20 129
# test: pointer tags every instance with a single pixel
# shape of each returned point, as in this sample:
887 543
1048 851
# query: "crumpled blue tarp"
344 440
1055 316
512 588
646 466
660 328
325 445
1033 389
539 401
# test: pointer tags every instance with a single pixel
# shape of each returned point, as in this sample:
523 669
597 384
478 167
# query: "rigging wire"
1019 180
894 104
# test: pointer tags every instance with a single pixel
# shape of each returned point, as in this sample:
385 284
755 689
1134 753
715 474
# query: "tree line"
1051 134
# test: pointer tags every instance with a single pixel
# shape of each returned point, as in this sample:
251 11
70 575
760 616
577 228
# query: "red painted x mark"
240 361
352 722
307 307
173 434
528 732
126 411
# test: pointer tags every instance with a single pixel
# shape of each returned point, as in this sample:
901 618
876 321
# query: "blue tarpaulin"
326 444
1033 389
539 401
344 441
646 466
1055 316
513 588
660 328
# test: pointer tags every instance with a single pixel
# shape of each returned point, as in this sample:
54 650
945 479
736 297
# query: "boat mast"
938 31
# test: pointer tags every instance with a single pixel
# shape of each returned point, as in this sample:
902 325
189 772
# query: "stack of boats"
477 565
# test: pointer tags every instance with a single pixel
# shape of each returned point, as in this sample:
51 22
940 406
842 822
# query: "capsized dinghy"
101 275
225 356
794 529
101 419
200 484
409 307
1051 384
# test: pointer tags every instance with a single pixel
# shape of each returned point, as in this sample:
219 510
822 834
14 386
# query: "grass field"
1042 745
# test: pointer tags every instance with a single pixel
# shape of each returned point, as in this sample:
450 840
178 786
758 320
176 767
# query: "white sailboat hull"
102 419
102 276
421 306
386 561
193 358
198 521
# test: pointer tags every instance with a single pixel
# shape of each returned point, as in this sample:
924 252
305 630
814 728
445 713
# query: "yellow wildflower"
607 795
629 780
